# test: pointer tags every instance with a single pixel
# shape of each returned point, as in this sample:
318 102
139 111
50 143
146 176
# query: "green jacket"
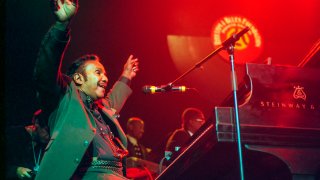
72 127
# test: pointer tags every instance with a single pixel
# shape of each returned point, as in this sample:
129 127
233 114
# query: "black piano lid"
283 107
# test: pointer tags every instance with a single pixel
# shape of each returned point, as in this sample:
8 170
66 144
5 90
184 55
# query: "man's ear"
129 127
78 78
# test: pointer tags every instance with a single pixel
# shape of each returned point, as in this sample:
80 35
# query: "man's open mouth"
103 85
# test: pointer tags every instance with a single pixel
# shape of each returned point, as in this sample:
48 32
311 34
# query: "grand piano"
279 115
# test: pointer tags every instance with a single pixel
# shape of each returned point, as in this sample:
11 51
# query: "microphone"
159 89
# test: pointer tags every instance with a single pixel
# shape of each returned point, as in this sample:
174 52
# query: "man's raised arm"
47 73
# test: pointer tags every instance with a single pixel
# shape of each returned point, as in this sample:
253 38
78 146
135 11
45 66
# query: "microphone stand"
230 50
229 46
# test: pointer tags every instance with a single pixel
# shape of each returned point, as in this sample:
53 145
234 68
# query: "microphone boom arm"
234 38
197 65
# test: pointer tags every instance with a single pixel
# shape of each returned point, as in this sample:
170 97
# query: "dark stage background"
116 29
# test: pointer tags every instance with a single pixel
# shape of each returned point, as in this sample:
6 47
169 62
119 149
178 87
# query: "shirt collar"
133 140
87 100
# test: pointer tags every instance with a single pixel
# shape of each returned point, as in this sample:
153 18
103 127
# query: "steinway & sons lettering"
290 105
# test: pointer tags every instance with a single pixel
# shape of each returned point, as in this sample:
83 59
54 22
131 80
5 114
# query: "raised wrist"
126 74
62 26
125 80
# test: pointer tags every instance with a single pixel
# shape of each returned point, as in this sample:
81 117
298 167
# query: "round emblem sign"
247 48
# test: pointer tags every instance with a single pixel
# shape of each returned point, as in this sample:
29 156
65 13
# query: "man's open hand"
64 9
131 67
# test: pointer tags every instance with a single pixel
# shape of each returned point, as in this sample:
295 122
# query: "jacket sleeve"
49 81
177 139
118 95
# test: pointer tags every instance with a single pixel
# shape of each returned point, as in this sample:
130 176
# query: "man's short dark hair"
188 114
78 65
134 120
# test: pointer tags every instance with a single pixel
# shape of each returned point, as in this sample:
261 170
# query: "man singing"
87 141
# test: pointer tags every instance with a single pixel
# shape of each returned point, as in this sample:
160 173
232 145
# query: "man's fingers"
134 61
74 2
27 175
132 64
54 5
135 69
64 10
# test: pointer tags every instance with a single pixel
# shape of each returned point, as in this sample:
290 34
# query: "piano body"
279 115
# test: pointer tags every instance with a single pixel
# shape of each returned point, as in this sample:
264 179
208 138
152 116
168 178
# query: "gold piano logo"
299 93
290 103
